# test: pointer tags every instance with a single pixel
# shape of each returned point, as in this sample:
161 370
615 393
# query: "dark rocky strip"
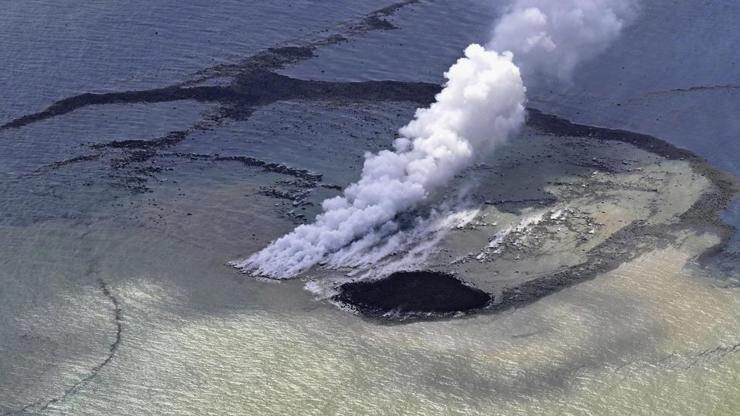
170 139
156 95
252 83
236 102
558 126
696 89
538 201
247 74
272 167
259 89
74 160
297 50
675 361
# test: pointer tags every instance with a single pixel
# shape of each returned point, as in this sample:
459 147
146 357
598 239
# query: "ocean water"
121 302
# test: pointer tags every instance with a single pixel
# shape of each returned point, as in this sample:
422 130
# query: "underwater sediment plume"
480 106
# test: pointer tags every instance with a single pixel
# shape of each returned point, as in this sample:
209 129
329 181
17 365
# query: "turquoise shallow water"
113 302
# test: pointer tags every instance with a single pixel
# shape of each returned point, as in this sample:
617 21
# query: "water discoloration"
44 404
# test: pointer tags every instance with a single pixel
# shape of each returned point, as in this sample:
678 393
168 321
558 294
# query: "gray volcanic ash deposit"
566 203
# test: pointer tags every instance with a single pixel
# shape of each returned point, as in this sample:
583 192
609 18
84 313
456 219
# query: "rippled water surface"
115 300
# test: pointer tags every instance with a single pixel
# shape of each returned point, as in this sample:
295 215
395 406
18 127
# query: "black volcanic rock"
409 294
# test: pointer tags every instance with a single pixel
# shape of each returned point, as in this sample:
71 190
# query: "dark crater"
417 294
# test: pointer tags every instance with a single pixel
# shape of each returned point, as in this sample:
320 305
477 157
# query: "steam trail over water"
481 105
551 37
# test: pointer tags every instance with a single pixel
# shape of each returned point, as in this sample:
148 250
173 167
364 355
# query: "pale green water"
648 338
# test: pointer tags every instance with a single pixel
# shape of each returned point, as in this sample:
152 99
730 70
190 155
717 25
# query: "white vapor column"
480 106
551 37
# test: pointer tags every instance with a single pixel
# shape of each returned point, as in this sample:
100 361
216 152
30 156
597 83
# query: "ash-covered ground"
565 203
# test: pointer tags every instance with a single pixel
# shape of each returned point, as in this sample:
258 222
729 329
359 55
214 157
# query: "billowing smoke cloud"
553 36
480 106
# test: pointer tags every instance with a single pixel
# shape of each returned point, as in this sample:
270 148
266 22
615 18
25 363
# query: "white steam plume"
552 37
481 105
